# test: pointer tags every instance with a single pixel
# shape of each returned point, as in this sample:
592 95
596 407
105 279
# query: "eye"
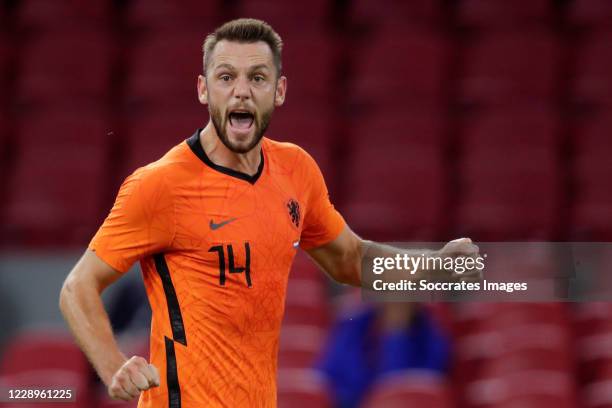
225 77
258 78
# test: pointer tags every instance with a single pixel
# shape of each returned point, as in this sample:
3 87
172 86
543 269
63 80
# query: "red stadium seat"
510 67
404 82
300 346
496 13
304 269
307 292
593 135
405 174
496 203
6 65
396 193
538 401
38 213
592 82
55 14
594 356
287 16
498 146
65 65
590 12
307 314
475 318
150 135
34 350
551 387
590 219
311 81
512 128
537 357
591 169
483 333
396 12
155 76
502 349
65 128
165 14
410 389
306 303
472 351
56 189
592 318
413 129
5 141
302 388
469 318
508 315
397 172
597 394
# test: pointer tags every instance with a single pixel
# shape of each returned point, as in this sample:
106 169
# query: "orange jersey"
215 247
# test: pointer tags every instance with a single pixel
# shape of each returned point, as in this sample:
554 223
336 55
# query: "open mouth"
241 120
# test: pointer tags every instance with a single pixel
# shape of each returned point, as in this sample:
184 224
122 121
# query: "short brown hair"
245 30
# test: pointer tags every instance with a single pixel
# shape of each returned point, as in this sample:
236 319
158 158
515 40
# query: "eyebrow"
232 68
226 65
257 67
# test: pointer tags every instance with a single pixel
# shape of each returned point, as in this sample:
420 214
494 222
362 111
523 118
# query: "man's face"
241 89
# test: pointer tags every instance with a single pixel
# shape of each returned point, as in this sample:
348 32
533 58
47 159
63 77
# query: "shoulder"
289 154
155 175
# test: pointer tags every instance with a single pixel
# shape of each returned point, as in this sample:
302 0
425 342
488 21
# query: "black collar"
196 148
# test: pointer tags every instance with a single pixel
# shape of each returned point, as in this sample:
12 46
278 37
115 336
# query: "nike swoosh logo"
214 226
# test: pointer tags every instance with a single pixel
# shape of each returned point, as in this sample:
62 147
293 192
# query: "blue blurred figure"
380 340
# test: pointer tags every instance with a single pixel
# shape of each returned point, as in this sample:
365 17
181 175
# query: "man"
215 224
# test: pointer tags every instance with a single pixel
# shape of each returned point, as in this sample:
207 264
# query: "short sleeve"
140 223
322 222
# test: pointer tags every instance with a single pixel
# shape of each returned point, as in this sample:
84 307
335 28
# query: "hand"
134 376
459 247
462 248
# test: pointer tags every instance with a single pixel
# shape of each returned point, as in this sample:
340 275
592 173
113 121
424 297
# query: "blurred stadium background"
431 119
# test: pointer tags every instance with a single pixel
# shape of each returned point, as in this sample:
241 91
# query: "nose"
242 89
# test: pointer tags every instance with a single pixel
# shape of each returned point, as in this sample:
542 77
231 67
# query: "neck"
219 154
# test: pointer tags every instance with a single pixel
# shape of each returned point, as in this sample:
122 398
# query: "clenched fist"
459 247
134 376
462 248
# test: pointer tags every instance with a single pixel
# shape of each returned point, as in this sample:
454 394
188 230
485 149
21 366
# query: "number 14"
232 268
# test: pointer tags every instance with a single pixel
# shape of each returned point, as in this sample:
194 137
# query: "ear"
281 90
202 90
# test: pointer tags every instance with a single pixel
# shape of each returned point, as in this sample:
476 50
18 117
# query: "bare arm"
82 307
342 258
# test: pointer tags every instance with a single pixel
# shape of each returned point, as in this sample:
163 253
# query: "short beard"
220 124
